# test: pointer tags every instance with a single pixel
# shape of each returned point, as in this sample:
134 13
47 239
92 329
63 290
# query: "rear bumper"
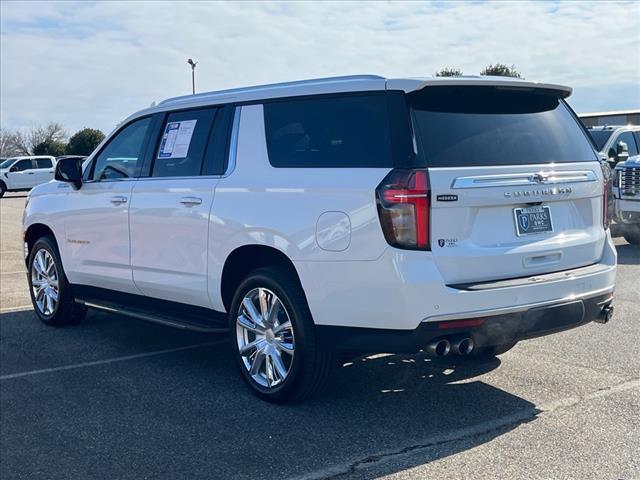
494 329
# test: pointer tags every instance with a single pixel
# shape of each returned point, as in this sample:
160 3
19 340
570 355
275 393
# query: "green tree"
84 141
50 147
449 72
501 70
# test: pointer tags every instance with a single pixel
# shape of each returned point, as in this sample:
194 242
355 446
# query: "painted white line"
13 273
21 308
107 361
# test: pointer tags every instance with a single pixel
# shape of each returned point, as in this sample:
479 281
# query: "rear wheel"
50 292
273 338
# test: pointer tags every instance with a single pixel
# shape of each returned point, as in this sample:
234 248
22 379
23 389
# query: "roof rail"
345 78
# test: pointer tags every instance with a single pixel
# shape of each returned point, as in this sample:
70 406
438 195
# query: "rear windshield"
600 137
473 126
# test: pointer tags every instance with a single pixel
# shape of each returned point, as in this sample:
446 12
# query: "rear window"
474 126
351 130
44 163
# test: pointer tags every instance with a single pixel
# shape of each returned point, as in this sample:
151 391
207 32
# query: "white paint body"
326 222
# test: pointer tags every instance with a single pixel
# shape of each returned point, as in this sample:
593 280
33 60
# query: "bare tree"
7 144
24 142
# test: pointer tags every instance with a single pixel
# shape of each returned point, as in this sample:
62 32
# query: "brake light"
606 186
403 207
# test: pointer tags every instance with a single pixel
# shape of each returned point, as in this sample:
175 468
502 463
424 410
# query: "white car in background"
23 173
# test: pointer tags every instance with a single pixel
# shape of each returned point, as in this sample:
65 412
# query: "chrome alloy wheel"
44 282
265 337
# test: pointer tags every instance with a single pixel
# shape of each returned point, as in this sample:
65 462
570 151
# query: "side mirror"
622 152
69 170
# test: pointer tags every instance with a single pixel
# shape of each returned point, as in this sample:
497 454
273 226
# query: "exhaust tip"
439 348
606 315
464 346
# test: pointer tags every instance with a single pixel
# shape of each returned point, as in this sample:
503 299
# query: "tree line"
498 70
51 139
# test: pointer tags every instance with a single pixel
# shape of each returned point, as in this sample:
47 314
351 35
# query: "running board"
194 323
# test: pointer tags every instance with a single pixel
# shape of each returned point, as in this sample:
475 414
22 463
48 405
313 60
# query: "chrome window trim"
524 179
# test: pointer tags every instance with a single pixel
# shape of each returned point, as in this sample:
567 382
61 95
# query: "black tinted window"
627 137
21 165
470 126
44 163
122 155
345 131
182 143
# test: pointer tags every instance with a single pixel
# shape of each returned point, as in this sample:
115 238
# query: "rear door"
43 171
516 188
170 207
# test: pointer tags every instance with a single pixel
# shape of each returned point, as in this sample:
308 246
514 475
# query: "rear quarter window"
476 126
351 130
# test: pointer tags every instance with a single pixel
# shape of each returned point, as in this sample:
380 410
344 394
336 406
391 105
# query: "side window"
627 137
183 143
123 153
215 158
337 131
44 163
21 165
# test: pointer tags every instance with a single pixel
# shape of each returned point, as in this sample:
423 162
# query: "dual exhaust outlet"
442 347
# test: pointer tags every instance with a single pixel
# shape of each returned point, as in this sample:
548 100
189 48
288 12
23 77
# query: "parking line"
20 308
108 360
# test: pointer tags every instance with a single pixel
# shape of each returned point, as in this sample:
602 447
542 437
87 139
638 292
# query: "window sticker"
176 139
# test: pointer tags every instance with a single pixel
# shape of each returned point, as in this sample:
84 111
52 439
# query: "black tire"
3 188
312 361
66 311
632 234
487 353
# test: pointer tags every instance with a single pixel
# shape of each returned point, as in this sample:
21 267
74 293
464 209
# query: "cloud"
91 64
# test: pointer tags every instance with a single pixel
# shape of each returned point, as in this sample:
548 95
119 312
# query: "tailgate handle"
540 260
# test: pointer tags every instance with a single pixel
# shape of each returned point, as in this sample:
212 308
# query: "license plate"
533 220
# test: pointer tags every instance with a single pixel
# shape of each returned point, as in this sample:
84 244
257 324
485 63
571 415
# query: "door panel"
97 236
169 234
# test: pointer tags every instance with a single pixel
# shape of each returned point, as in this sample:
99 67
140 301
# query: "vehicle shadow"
628 254
187 414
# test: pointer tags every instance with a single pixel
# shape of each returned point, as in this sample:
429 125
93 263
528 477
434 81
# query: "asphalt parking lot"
119 398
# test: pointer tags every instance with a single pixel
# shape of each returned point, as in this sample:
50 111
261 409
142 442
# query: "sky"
87 64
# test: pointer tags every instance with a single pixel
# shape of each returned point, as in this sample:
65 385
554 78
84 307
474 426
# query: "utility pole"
193 75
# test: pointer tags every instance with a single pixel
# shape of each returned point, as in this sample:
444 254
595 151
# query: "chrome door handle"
30 173
119 200
188 201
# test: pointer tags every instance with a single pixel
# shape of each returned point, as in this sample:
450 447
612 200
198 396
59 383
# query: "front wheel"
50 292
273 338
3 188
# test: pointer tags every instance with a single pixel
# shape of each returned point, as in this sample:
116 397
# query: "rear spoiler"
414 84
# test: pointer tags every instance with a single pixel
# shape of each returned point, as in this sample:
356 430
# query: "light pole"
193 75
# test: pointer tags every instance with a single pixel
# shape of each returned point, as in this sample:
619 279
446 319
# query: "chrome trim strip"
516 309
524 179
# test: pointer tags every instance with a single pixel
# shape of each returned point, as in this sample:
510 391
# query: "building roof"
611 113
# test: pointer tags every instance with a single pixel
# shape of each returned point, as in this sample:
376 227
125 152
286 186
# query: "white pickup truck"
626 190
23 173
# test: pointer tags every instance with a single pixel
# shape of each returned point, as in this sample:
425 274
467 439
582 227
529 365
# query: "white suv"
23 173
334 216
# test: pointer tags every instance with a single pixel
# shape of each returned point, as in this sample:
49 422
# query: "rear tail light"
606 186
403 206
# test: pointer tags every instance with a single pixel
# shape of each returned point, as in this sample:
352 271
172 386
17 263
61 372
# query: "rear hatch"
516 186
